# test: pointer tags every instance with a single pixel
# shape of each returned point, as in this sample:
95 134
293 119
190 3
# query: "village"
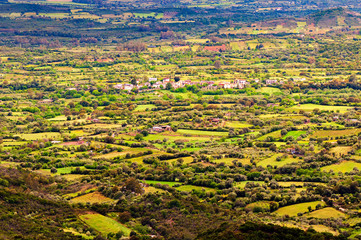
167 83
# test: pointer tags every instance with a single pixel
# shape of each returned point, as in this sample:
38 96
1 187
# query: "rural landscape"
180 119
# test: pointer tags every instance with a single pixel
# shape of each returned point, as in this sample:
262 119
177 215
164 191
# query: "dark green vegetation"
180 120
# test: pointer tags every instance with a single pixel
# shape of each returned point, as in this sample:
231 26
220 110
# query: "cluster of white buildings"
154 83
280 82
274 82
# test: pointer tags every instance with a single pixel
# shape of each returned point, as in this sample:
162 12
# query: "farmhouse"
46 101
240 83
215 120
299 79
125 86
162 128
71 89
209 88
225 85
271 81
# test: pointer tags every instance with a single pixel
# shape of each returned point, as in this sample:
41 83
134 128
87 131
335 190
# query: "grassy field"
294 134
344 166
40 136
341 150
94 197
13 143
103 126
162 136
353 221
58 118
65 170
72 177
229 161
238 125
202 133
76 233
273 161
326 213
261 205
292 210
275 134
311 107
124 153
141 108
161 182
333 124
335 133
323 228
190 188
8 164
269 90
153 190
75 194
104 225
288 184
241 185
186 160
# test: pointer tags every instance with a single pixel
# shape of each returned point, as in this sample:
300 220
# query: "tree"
133 81
138 137
283 132
176 79
109 139
168 86
132 185
124 217
352 78
217 64
144 132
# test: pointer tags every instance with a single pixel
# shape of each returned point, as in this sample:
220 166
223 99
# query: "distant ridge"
336 17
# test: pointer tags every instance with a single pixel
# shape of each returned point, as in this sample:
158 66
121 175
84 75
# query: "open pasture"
40 136
123 153
141 108
103 224
261 206
311 107
153 182
273 161
235 124
292 210
229 161
326 213
341 150
186 160
94 197
294 134
202 133
335 133
344 166
190 188
242 184
269 90
275 134
323 228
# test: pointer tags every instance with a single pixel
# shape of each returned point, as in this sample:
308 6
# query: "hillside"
338 17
